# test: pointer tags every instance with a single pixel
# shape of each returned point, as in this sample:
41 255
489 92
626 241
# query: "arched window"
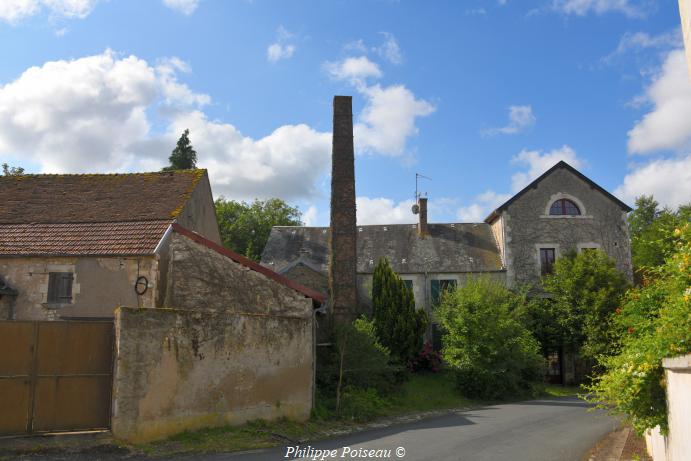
564 207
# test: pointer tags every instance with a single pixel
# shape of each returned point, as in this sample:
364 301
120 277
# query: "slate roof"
90 214
452 248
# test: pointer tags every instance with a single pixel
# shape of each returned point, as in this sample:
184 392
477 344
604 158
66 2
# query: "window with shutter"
60 287
440 286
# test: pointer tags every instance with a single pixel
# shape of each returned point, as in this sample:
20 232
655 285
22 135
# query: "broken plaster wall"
180 370
202 278
100 285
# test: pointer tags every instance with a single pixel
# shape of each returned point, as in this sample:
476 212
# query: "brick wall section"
178 370
199 277
342 244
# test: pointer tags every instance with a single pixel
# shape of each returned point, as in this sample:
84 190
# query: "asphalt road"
560 429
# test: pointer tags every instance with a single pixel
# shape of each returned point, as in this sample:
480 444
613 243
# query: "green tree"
652 236
493 354
245 227
653 324
399 325
586 288
12 170
183 157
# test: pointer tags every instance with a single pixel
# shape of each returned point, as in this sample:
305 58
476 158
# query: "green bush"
354 361
493 354
585 289
398 325
654 323
362 404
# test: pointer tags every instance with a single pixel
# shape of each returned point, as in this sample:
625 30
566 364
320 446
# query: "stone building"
516 244
78 246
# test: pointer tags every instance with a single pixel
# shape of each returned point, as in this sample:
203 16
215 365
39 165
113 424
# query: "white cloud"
355 70
13 11
535 163
628 8
384 211
309 217
668 180
186 7
285 164
281 48
90 115
483 205
539 162
668 125
520 119
388 119
390 50
475 12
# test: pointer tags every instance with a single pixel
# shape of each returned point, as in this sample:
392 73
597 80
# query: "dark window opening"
547 257
60 287
564 207
439 287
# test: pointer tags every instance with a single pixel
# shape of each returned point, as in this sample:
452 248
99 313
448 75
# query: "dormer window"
564 207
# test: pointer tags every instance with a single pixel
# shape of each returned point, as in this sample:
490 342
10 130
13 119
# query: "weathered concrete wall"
179 370
6 307
199 213
201 278
528 226
677 445
99 286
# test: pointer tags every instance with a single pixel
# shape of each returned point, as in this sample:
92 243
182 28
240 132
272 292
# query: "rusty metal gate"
55 376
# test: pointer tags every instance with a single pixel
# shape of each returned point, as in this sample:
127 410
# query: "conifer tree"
398 325
183 157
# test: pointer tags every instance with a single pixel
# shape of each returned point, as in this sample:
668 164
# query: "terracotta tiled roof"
91 198
78 239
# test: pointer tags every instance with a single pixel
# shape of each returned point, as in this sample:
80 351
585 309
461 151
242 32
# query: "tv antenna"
416 207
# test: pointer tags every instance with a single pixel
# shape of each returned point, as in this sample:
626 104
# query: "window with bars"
60 287
564 207
547 257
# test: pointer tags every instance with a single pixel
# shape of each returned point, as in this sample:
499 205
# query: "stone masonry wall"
201 278
527 226
178 370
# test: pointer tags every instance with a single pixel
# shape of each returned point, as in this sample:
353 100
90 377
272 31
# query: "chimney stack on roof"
422 223
342 244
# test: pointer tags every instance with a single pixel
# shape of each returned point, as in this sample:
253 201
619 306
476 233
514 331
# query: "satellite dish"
415 208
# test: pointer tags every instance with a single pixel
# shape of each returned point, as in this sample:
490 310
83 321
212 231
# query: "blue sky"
481 96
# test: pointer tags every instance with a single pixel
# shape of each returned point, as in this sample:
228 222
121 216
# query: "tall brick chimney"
422 224
342 244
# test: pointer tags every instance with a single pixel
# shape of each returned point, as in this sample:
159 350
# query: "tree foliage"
654 323
245 227
398 324
12 170
183 157
493 354
356 363
586 288
652 234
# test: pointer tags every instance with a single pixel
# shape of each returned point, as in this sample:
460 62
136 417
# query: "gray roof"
448 248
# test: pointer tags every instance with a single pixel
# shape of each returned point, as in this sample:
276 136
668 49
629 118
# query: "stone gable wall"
528 226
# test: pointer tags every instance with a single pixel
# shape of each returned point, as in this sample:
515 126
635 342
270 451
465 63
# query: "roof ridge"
134 173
